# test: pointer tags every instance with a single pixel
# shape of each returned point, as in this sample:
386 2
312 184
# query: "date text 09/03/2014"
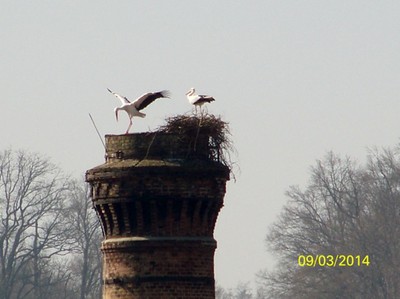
330 260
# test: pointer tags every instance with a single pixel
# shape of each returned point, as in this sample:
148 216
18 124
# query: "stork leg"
201 110
130 125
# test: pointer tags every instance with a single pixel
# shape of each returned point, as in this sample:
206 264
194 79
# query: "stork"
133 109
198 100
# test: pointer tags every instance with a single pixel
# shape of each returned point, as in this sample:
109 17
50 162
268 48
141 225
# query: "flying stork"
133 109
198 100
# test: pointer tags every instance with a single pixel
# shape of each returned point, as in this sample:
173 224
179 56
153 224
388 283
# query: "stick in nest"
191 126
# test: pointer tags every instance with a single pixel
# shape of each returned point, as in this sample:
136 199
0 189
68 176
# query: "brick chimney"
158 198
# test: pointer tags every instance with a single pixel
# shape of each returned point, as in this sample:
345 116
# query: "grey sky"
294 79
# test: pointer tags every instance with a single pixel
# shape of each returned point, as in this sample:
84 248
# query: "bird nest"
205 133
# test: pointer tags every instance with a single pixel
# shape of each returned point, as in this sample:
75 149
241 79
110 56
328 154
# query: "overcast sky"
294 79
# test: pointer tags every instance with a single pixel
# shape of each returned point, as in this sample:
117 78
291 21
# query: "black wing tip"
204 100
165 93
207 99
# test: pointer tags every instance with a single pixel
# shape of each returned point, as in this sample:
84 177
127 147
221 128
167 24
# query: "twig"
101 139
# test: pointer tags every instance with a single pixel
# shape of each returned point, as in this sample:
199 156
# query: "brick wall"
159 268
157 204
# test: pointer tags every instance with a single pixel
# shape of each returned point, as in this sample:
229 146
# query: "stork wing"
204 99
148 98
123 100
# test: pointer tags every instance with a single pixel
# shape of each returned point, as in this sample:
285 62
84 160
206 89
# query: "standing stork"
198 100
133 109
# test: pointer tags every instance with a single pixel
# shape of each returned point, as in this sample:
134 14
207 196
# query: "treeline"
339 237
49 237
346 225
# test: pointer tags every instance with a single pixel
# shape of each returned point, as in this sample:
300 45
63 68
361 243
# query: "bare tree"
33 232
345 210
221 293
241 291
85 264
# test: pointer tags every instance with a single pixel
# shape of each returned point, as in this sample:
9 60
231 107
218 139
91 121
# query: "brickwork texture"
158 200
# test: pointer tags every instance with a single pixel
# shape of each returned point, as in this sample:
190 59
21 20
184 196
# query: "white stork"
198 100
133 109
